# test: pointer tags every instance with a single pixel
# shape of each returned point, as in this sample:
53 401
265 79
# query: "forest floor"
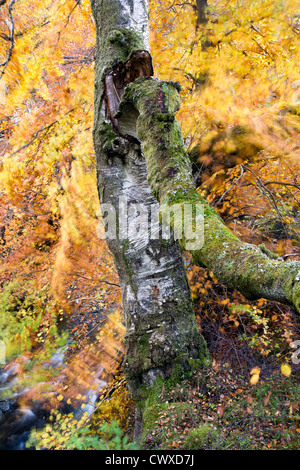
221 407
219 410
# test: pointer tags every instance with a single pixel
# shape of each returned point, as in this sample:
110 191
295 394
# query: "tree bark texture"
161 333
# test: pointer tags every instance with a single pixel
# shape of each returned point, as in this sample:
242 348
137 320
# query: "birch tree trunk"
161 333
141 160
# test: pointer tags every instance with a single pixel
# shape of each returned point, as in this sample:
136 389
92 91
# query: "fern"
112 439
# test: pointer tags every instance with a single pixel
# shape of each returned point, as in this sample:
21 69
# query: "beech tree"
141 160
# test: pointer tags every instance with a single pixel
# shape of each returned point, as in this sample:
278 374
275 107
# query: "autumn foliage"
239 73
56 275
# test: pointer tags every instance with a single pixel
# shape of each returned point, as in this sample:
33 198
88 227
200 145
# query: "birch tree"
142 165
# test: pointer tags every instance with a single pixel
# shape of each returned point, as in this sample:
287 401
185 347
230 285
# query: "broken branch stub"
120 75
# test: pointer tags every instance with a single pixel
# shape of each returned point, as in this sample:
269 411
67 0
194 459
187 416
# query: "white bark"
135 13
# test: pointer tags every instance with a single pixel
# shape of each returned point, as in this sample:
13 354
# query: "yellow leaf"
60 397
286 370
254 379
255 370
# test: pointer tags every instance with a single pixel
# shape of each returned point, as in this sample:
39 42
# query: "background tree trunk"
201 12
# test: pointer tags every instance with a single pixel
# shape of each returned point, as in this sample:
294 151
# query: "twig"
256 30
260 46
227 191
283 184
90 279
11 38
35 135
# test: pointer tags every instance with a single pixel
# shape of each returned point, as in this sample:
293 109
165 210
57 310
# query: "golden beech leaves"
49 204
239 114
238 76
255 373
237 69
239 109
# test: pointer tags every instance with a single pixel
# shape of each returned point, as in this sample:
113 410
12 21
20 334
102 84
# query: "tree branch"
243 266
11 38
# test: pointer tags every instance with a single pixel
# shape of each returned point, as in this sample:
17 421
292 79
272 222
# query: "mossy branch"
153 104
